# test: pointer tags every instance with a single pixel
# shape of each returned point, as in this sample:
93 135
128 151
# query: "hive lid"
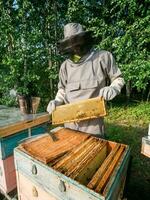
46 150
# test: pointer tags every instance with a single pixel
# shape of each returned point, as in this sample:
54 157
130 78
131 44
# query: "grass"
128 124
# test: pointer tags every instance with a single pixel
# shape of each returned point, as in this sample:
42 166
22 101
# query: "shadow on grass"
138 185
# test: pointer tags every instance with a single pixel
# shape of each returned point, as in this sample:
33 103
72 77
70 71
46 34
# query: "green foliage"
121 27
132 52
29 61
127 125
135 114
28 48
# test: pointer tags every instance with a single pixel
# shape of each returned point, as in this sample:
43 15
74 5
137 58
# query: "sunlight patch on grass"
136 115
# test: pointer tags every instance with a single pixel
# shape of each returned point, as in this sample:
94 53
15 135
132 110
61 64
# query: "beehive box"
86 168
7 144
78 111
15 127
145 150
7 174
11 123
30 190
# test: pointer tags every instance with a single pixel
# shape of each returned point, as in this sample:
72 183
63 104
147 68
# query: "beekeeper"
85 75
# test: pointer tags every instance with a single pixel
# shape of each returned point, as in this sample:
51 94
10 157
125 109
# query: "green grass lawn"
128 124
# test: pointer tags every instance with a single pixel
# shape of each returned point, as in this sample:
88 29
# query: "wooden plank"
50 179
86 161
71 154
30 191
46 150
74 161
102 169
114 184
86 158
109 171
8 175
145 150
19 126
89 170
78 111
7 144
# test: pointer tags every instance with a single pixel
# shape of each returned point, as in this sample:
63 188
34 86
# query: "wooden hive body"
145 150
7 175
75 175
31 190
11 134
8 143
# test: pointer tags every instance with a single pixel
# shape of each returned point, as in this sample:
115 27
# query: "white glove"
51 106
109 92
60 96
59 100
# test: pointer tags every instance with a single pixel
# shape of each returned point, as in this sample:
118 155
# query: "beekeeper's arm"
60 96
115 76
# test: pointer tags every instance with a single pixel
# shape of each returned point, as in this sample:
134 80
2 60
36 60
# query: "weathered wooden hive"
77 166
145 150
14 128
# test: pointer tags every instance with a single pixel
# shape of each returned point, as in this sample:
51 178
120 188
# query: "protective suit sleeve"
60 96
59 100
115 76
62 77
110 92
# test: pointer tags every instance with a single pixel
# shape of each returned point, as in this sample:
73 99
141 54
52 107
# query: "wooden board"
103 168
7 175
7 144
27 190
47 150
51 180
145 150
90 168
104 180
28 122
74 154
83 110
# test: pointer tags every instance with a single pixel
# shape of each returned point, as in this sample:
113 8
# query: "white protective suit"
87 79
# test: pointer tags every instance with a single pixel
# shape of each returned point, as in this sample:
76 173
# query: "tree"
30 30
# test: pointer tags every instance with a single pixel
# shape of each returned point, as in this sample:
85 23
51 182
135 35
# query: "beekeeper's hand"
59 100
51 106
110 92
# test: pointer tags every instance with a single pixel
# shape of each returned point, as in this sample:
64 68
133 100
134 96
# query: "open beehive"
90 161
78 111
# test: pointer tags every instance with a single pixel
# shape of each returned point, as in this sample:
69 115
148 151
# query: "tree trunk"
148 96
128 90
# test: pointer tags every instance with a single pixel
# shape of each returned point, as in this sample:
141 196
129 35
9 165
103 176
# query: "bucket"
28 105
